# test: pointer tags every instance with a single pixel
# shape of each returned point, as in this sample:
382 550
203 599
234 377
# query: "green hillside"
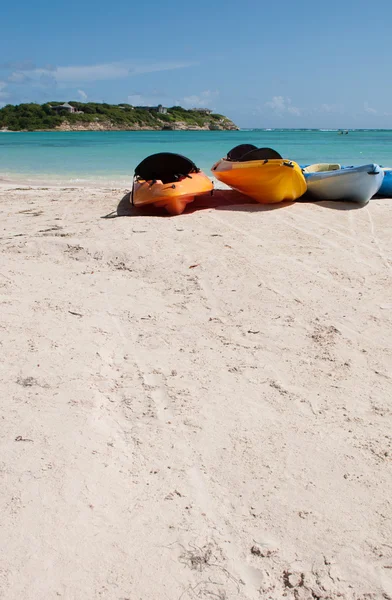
92 115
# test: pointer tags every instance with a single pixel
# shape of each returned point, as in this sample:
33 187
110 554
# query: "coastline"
87 116
199 402
175 126
101 128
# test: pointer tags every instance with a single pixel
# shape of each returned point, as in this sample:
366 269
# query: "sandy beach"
196 406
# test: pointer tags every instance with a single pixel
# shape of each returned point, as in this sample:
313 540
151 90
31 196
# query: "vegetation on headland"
96 116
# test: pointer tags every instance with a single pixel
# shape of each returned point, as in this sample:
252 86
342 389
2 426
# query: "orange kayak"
170 181
261 174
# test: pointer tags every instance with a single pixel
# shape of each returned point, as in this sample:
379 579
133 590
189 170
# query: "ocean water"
109 158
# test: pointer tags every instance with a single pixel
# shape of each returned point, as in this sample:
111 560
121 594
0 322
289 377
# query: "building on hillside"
64 108
204 111
159 109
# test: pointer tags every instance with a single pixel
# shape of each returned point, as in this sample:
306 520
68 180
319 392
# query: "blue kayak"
386 186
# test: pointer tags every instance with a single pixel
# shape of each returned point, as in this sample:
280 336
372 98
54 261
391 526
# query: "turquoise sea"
110 157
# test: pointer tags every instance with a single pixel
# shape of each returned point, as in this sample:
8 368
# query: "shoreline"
46 182
241 129
83 130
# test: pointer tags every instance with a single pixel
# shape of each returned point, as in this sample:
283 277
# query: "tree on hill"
33 117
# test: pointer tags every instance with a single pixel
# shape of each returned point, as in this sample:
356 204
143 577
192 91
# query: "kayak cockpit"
166 167
322 168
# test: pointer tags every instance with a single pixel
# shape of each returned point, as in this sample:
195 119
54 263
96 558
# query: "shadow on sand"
333 204
221 200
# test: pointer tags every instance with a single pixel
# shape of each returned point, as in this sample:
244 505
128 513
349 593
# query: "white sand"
194 407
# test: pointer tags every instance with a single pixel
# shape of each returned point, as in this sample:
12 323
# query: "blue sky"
263 64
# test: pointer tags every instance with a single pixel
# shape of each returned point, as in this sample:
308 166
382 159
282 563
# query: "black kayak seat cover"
260 154
238 151
165 166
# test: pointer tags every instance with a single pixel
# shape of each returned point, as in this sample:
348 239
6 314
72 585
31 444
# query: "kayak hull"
386 186
266 181
353 184
172 196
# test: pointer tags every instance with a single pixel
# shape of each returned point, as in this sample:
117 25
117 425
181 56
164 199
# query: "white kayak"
354 184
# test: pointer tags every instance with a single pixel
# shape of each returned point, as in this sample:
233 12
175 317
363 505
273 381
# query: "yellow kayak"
261 174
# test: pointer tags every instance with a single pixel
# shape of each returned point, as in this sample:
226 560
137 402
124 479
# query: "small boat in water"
331 182
261 174
170 181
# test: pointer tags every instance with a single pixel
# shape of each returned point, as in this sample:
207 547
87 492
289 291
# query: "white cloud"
18 77
281 105
277 103
83 95
329 108
203 99
157 67
106 71
90 73
47 80
368 109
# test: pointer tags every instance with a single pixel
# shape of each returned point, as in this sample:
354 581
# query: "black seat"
260 154
166 166
238 151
